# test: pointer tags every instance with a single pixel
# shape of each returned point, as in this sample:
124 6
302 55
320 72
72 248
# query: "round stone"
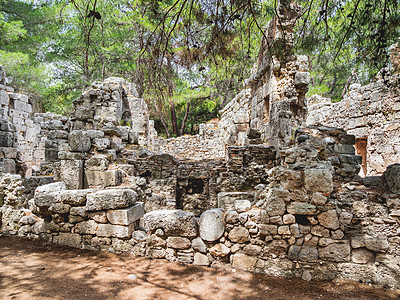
211 225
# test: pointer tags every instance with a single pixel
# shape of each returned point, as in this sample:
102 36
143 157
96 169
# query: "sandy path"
31 270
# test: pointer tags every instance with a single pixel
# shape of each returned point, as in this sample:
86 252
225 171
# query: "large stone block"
79 141
173 222
68 239
75 197
318 180
227 199
110 199
177 242
244 262
118 231
71 172
126 216
86 227
211 225
301 208
103 178
338 252
329 219
47 194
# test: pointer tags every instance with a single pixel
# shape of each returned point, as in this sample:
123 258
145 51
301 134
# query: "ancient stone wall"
306 217
372 114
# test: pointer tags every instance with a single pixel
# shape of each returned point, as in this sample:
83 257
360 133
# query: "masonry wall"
371 113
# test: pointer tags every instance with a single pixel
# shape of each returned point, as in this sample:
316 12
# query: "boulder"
242 205
211 225
173 222
110 199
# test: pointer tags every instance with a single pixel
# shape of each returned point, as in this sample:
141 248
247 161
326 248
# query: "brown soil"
31 270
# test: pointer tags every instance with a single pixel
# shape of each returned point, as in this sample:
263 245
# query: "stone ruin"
259 189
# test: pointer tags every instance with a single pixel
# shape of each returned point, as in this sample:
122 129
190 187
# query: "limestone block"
318 180
244 262
338 252
75 197
98 216
110 199
86 227
173 222
227 199
126 216
6 139
302 78
392 178
242 205
219 250
101 143
231 216
239 235
103 178
79 141
199 245
362 256
9 152
78 211
275 207
59 208
97 163
376 243
119 231
71 172
252 249
329 219
68 239
47 194
201 259
211 225
176 242
301 208
4 99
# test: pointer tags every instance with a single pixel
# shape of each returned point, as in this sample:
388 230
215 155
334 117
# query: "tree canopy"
187 57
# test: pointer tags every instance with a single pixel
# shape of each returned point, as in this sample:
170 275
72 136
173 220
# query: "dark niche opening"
302 220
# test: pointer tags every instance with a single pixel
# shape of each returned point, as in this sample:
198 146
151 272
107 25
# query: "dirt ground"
31 270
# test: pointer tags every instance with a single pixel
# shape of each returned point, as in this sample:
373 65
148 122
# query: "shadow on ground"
31 270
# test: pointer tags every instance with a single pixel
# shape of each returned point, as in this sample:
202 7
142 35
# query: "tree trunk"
182 131
174 121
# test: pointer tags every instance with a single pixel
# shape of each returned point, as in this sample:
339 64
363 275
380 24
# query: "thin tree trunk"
173 119
185 119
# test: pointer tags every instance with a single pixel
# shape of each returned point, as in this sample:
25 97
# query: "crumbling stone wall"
307 216
371 113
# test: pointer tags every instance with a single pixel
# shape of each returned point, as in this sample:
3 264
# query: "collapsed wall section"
372 114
